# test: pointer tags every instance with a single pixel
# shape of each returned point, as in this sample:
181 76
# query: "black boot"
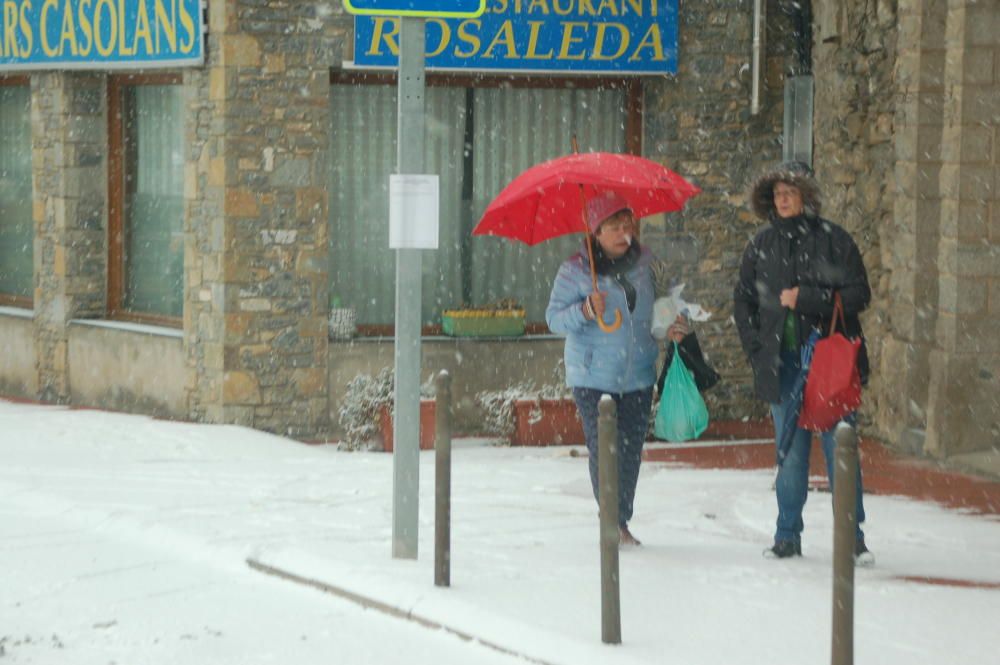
783 549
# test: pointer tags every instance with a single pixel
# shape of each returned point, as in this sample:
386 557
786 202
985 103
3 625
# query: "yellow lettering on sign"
505 36
636 6
85 28
542 5
445 37
533 43
142 28
105 49
651 40
587 8
378 35
610 5
10 29
166 24
500 7
468 38
122 48
599 41
568 39
188 24
26 26
559 9
68 34
44 27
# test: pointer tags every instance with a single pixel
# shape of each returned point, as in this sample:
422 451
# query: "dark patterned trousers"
633 423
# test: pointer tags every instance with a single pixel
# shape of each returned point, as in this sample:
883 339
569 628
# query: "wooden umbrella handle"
606 327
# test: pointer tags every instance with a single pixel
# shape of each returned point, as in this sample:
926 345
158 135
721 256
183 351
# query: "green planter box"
482 326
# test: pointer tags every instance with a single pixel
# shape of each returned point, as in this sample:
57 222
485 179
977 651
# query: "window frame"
9 299
116 198
631 85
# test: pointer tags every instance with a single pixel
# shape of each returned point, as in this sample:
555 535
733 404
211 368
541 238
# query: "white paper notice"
413 211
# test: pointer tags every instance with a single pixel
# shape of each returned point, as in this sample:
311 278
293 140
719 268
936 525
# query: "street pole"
442 480
607 478
845 523
406 424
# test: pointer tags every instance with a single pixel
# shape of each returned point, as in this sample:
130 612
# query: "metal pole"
607 475
410 159
845 522
442 485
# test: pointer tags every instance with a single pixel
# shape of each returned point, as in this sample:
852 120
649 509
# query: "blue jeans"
792 484
633 424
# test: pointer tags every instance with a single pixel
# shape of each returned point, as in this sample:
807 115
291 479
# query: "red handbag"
833 385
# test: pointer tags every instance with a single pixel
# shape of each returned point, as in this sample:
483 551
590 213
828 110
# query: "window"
146 209
16 224
480 133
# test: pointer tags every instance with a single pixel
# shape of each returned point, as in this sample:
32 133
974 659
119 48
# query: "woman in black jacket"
788 276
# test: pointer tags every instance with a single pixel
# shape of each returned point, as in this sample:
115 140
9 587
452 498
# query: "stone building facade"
907 98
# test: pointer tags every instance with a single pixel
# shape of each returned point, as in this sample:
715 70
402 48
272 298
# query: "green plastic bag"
682 414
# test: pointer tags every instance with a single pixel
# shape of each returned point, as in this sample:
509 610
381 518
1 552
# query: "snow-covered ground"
126 540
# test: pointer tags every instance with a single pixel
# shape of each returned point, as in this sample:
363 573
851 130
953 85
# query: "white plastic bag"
666 309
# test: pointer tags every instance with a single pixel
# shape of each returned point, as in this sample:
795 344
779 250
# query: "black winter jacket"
820 258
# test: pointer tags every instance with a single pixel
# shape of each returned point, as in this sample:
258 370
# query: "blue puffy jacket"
617 362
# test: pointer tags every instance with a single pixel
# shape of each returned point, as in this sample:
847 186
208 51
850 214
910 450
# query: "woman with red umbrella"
619 361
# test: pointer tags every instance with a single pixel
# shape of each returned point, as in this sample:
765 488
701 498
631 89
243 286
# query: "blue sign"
439 8
569 36
100 34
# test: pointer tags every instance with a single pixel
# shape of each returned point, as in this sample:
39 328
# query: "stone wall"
204 226
69 142
18 372
853 63
127 367
912 233
906 117
700 124
257 288
940 356
963 406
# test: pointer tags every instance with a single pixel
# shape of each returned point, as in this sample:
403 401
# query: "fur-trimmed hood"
797 174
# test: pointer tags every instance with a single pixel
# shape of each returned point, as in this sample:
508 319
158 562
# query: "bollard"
442 480
845 522
607 475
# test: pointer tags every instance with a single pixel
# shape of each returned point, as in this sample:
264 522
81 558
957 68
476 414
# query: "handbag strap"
838 313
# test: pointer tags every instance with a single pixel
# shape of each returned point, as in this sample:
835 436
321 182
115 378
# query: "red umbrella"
545 201
549 199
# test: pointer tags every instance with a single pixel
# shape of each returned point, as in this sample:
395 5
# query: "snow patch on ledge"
127 326
18 312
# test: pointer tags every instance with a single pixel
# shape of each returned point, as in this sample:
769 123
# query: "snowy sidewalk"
126 540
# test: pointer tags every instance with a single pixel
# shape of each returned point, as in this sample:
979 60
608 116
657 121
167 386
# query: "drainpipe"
798 120
756 57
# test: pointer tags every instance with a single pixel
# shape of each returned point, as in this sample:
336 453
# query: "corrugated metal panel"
154 203
16 226
516 128
513 129
362 156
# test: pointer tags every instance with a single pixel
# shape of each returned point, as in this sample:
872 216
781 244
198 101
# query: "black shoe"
625 537
783 549
862 556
